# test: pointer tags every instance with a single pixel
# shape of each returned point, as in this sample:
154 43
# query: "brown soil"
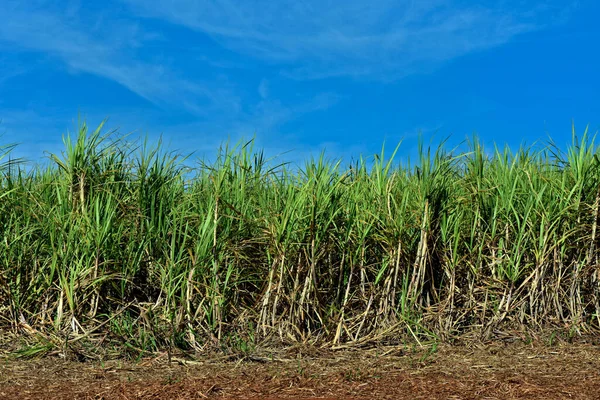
490 372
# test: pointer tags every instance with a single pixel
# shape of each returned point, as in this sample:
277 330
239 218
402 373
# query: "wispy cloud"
263 89
265 120
104 46
219 92
382 40
111 43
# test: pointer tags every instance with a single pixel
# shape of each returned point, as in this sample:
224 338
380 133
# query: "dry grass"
496 371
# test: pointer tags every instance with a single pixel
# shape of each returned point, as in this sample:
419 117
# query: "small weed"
430 352
36 350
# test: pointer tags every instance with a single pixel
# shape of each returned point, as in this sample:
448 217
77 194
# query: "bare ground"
494 371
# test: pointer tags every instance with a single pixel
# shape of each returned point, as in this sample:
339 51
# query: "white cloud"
106 48
263 89
303 39
108 42
382 40
265 119
38 131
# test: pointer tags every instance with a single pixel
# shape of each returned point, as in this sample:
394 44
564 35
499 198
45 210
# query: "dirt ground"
495 371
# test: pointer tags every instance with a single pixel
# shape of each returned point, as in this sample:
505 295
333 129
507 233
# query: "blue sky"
300 75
